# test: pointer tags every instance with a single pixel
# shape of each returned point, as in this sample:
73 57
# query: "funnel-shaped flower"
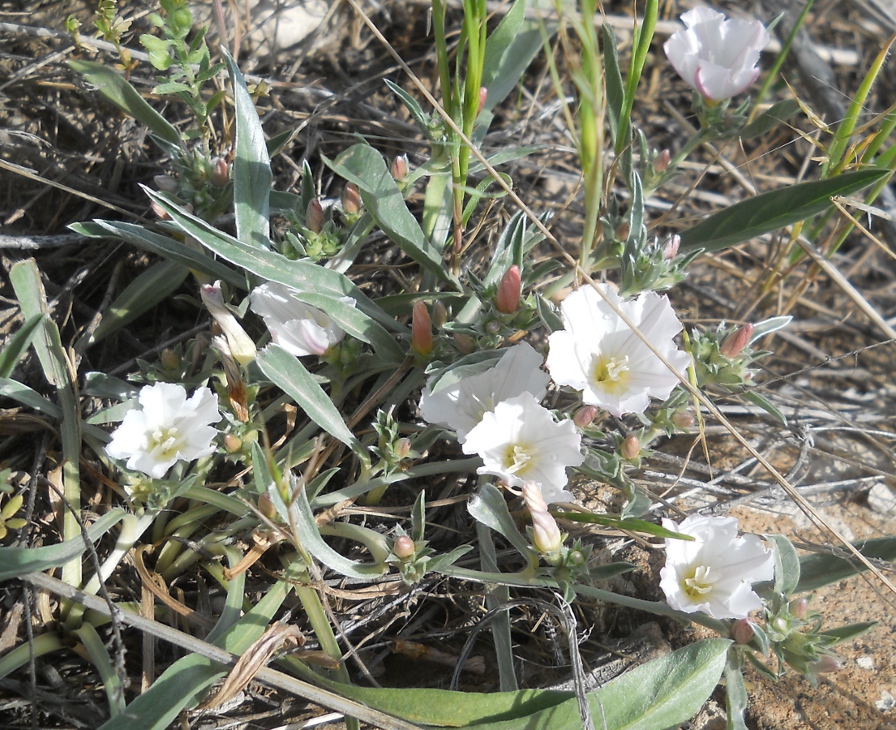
598 354
169 428
460 406
716 56
714 572
298 328
520 442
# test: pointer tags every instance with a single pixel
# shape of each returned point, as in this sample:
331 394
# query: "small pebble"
865 662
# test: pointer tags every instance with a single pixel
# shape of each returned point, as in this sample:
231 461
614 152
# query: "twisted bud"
546 536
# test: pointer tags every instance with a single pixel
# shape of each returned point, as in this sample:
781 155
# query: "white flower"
519 442
598 354
714 573
170 428
460 406
241 346
716 56
298 328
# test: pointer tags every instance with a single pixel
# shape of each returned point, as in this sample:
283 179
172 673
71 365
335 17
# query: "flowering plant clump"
298 328
599 354
716 55
714 572
168 428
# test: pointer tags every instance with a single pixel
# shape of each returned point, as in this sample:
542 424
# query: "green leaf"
735 696
622 523
15 561
613 78
18 344
773 210
152 287
487 506
286 372
787 564
850 631
366 168
171 87
508 52
823 569
252 177
114 87
770 118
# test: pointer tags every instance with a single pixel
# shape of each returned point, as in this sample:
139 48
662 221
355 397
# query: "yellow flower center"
699 582
165 443
611 373
517 459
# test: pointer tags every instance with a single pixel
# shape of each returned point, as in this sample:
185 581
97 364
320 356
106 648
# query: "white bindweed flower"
298 328
520 442
460 406
598 354
715 572
168 429
716 56
241 346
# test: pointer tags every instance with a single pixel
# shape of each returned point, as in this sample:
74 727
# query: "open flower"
298 328
168 429
520 442
716 56
714 572
598 354
461 405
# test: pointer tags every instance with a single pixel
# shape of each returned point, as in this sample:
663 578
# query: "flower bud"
421 330
403 448
508 297
736 341
351 199
465 343
622 231
546 536
404 547
661 162
439 314
314 216
232 444
493 327
799 607
631 447
266 506
670 248
160 212
584 416
166 183
399 168
220 172
683 419
742 631
242 347
575 557
826 664
483 96
170 359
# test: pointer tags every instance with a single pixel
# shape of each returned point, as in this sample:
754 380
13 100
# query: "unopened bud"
403 448
220 172
266 506
465 343
799 607
160 212
483 96
575 557
232 444
546 536
742 631
826 665
400 168
351 199
242 347
170 359
670 248
736 341
314 216
622 231
403 547
661 162
493 327
421 330
631 447
508 297
439 314
166 183
682 419
584 416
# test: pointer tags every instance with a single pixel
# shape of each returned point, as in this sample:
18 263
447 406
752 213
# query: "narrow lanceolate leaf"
286 372
488 507
114 87
820 570
366 168
774 210
508 52
18 344
19 561
252 177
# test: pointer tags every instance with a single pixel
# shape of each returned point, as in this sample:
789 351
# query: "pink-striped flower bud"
670 248
399 168
483 97
682 419
232 443
742 631
439 314
736 341
266 506
403 448
220 172
631 447
351 199
546 536
421 330
508 297
465 343
585 416
661 162
799 607
403 547
314 216
826 665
